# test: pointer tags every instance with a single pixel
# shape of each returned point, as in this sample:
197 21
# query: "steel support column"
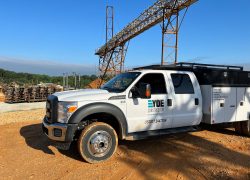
170 33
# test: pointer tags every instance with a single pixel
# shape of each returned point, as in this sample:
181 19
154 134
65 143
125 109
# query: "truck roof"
209 74
191 67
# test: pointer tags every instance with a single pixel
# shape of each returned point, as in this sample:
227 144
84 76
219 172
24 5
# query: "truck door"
186 99
150 114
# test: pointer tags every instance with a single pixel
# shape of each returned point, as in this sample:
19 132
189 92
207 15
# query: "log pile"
15 93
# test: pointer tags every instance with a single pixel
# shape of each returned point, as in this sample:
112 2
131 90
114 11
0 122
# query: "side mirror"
144 91
135 92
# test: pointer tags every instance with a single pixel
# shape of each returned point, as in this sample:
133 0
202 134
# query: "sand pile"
95 84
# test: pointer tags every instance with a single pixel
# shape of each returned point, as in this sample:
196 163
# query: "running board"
146 134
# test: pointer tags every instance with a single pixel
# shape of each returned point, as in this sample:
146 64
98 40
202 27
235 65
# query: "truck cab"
132 105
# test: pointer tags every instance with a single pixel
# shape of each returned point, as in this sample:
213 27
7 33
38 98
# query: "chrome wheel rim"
99 143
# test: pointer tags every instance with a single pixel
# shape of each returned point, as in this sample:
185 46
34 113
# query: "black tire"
245 126
237 126
97 142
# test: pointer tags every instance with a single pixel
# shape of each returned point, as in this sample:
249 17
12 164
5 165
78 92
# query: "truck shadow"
220 128
191 154
187 153
72 152
35 138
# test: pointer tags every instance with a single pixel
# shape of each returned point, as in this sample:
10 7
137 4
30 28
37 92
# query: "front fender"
94 108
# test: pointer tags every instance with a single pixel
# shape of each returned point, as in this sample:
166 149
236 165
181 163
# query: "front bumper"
58 131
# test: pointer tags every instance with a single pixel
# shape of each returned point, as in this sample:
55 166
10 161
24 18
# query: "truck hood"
83 95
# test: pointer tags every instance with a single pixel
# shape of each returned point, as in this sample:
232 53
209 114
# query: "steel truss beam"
112 54
150 17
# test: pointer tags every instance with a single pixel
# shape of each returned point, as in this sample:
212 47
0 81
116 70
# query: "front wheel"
97 142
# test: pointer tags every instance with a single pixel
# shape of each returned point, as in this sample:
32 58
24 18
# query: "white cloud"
45 67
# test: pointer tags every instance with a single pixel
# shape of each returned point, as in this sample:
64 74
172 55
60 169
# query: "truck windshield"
120 82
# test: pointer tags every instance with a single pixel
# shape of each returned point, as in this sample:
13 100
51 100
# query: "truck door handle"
196 101
169 102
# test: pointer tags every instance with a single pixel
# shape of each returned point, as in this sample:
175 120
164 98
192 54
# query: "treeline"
7 77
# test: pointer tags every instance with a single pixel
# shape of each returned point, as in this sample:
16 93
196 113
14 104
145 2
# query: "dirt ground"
212 153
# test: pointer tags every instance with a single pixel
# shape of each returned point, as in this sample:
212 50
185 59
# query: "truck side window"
156 81
182 84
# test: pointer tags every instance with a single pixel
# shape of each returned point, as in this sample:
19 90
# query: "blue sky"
62 32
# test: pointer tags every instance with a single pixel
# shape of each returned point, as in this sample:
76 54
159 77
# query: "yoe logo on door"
155 105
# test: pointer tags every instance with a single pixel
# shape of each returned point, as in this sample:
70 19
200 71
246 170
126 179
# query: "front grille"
51 108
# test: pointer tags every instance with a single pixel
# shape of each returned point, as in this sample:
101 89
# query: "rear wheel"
97 142
237 126
245 126
242 128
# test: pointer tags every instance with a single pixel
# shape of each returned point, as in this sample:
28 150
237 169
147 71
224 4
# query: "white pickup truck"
148 101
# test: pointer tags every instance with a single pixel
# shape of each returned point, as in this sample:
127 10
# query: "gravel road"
21 116
7 107
212 153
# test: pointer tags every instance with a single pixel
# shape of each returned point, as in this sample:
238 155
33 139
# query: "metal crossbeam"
150 17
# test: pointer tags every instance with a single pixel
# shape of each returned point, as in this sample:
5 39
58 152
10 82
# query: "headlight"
65 110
